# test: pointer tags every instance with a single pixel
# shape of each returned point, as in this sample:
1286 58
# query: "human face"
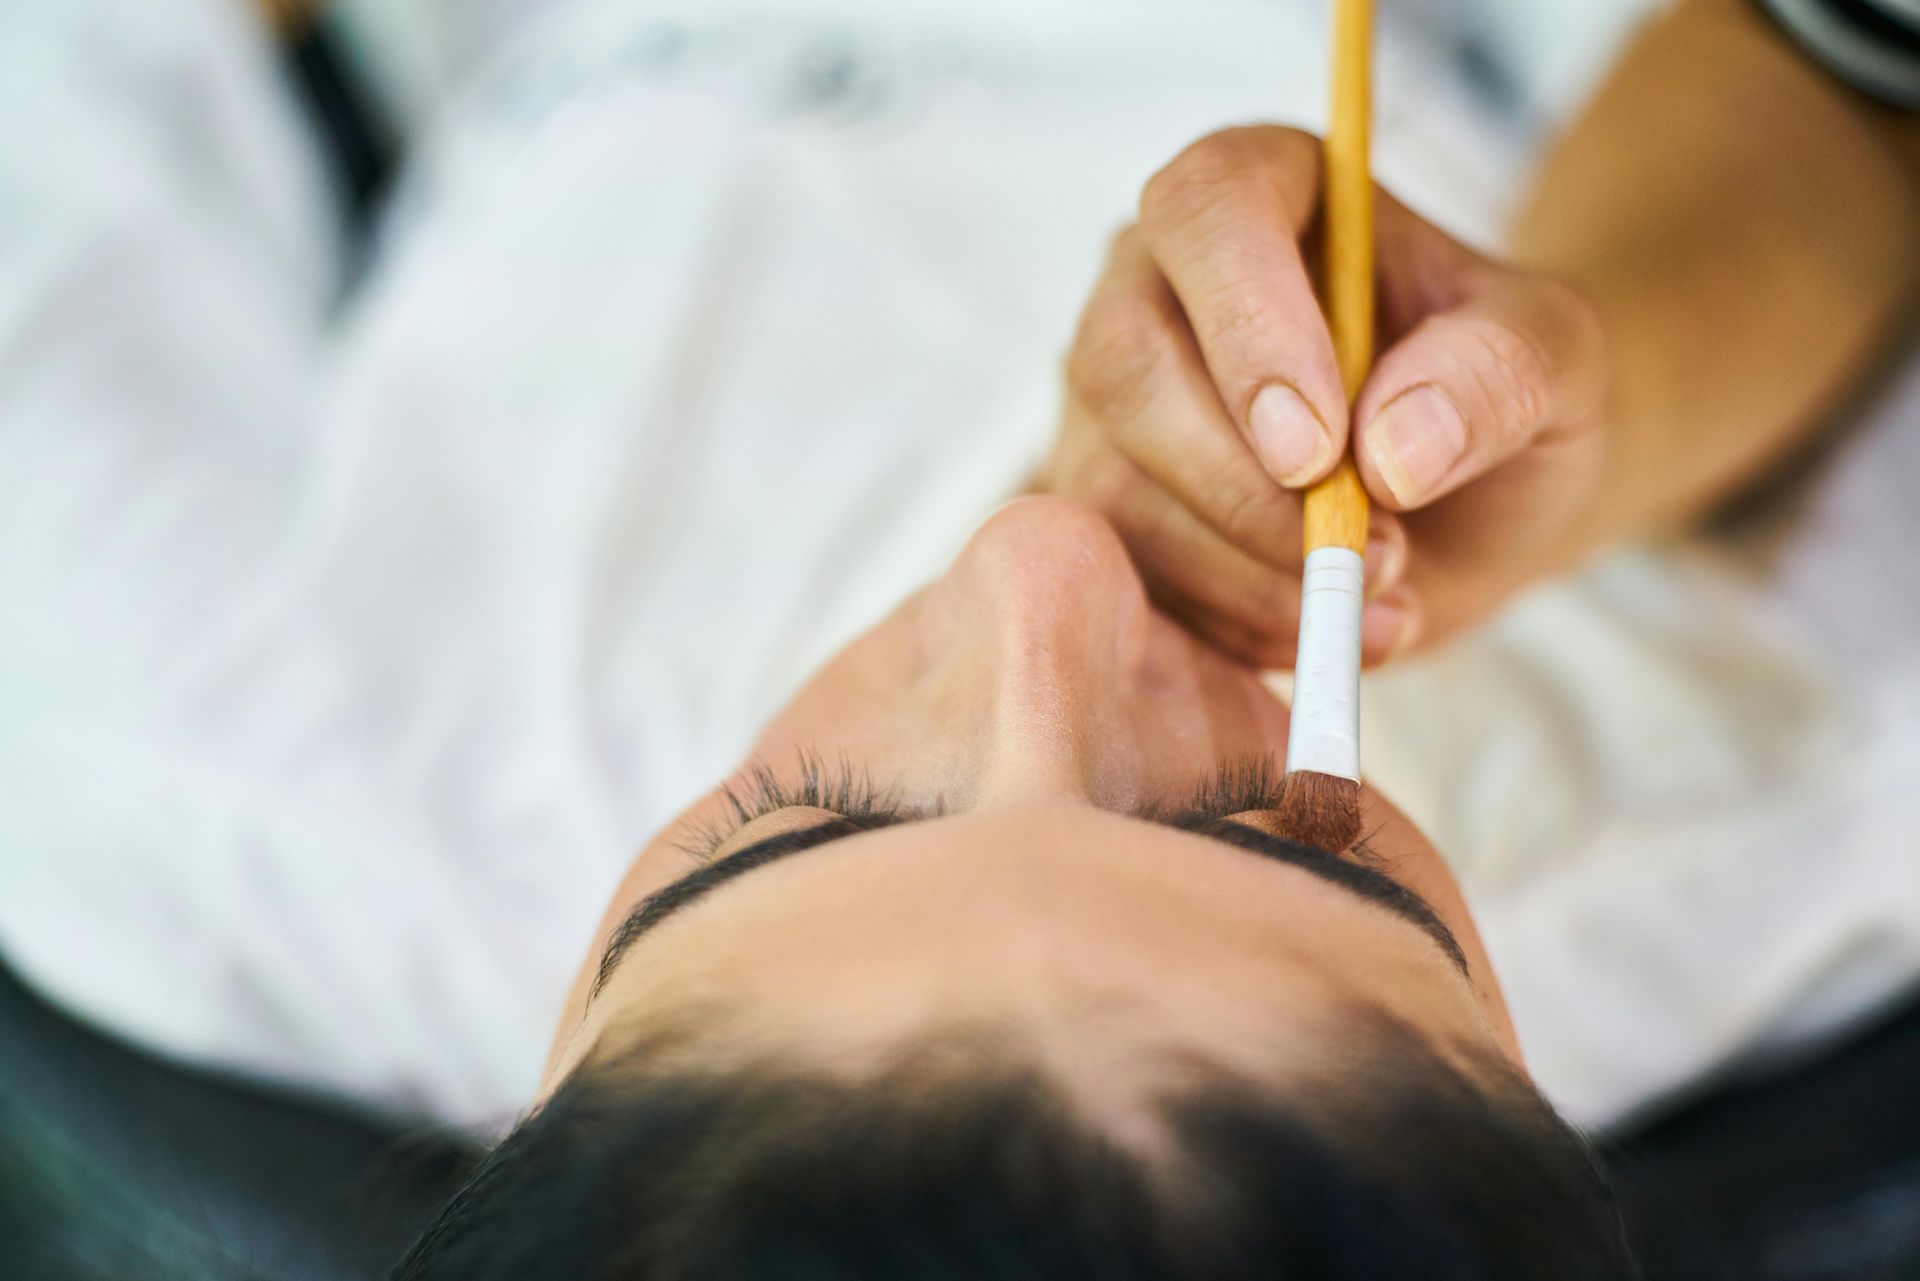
1035 732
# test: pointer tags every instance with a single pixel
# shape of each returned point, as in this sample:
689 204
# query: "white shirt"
349 656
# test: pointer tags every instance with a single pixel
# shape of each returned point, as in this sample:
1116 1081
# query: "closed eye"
1365 883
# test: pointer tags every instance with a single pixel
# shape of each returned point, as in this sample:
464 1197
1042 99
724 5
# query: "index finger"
1223 222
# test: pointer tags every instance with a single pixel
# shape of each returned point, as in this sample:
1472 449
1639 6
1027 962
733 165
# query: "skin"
1677 319
1036 698
1711 259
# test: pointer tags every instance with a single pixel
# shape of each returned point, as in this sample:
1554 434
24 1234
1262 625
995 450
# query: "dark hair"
1407 1169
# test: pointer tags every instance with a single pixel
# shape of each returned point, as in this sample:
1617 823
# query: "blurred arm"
1750 231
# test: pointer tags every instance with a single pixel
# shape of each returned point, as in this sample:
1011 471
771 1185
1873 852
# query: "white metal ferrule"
1325 733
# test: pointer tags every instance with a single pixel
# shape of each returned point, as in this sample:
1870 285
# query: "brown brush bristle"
1319 809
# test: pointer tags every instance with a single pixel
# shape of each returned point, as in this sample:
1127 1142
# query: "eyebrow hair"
1368 884
700 882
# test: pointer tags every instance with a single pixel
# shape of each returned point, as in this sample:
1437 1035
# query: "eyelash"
1237 787
1248 785
840 788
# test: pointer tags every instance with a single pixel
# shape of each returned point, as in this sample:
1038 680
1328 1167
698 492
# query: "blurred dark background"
116 1165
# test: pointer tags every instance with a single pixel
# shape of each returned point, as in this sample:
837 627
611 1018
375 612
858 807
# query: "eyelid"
1267 821
1361 851
790 818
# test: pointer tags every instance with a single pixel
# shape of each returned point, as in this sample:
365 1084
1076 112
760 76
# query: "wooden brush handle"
1336 508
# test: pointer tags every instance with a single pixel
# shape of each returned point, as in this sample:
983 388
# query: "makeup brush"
1320 799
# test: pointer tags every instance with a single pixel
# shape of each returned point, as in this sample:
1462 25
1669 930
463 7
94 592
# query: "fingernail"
1289 437
1387 627
1385 560
1415 441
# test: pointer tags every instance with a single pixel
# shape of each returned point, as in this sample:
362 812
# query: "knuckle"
1575 311
1582 334
1265 163
1117 355
1238 319
1259 649
1513 377
1270 652
1111 486
1250 509
1288 155
1286 138
1264 604
1067 460
1248 152
1193 179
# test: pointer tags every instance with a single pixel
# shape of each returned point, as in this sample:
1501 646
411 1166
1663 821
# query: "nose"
1043 612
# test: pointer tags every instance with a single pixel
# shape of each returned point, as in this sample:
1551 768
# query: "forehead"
1044 912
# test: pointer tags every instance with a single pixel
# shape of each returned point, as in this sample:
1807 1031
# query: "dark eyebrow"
700 882
1369 884
1365 883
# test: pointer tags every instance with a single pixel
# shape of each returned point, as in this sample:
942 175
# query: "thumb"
1473 386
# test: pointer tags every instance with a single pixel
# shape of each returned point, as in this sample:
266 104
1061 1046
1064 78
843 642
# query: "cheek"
892 726
852 702
1202 708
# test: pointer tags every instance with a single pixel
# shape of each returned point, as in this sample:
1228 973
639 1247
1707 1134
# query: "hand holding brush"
1204 394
